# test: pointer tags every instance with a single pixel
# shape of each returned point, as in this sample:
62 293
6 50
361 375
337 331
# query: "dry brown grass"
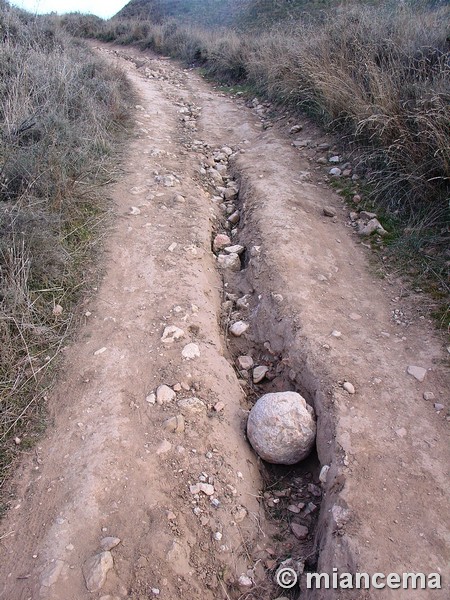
60 114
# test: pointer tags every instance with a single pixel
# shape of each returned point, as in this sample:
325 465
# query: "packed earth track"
145 485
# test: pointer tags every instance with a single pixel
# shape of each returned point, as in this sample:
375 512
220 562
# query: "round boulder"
281 428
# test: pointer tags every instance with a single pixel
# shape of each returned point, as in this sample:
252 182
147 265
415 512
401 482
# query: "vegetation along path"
142 491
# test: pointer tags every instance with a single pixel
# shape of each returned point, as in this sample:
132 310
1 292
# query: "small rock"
171 334
174 424
372 226
349 387
335 171
190 351
239 514
334 159
401 432
206 488
245 362
367 216
354 316
168 180
110 542
245 582
165 394
300 531
219 406
179 198
234 218
335 333
438 406
237 249
151 398
17 441
134 210
100 351
192 405
329 211
417 372
243 302
428 396
357 198
218 536
95 570
163 447
239 328
295 129
259 373
230 193
58 310
230 262
52 573
322 160
324 473
220 242
293 509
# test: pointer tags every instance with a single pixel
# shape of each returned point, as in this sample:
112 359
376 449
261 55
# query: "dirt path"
112 464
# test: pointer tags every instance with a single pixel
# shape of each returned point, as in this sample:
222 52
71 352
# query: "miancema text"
379 581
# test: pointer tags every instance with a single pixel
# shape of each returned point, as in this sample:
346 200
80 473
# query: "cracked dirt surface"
111 466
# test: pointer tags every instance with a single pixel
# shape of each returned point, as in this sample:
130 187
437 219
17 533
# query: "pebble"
438 406
95 570
372 226
245 581
324 473
335 171
335 333
151 398
300 531
206 488
349 387
163 447
234 218
110 542
245 362
334 159
58 310
230 262
417 372
190 351
134 210
52 573
192 405
164 394
218 536
354 316
357 198
239 328
322 160
171 333
428 396
293 509
100 351
230 193
219 406
401 432
237 249
239 514
174 424
295 129
329 211
220 242
259 373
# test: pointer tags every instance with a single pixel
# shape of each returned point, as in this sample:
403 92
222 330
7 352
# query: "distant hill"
200 12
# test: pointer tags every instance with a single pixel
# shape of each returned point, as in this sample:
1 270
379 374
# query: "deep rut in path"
168 469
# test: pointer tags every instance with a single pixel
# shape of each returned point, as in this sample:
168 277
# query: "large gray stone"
281 428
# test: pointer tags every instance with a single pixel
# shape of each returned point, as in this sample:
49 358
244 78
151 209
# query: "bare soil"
109 467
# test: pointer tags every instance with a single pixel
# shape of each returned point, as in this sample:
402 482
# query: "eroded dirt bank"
112 464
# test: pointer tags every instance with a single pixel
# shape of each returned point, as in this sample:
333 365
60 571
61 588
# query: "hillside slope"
204 12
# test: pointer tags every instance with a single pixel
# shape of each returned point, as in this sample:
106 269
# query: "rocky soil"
233 271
